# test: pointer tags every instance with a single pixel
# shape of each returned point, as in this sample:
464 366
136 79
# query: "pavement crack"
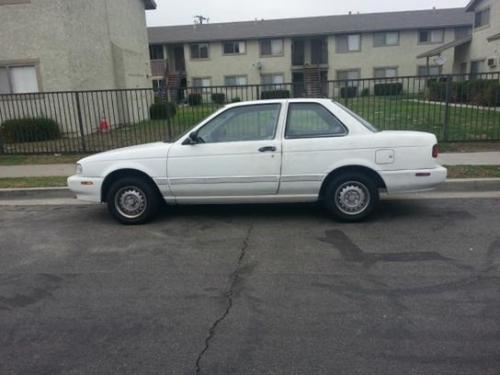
235 275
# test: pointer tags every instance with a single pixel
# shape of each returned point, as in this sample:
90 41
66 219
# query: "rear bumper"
86 188
409 181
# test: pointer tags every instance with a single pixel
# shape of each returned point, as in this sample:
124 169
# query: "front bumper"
410 181
86 188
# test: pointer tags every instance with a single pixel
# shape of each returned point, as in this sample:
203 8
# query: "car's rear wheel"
351 196
132 200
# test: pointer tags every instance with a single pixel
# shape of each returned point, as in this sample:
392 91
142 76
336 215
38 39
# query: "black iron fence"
454 107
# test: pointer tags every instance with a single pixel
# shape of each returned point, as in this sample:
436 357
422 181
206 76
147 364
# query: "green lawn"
28 182
465 123
473 171
387 113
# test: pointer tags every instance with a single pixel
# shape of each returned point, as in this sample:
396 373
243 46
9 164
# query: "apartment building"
62 45
483 53
307 49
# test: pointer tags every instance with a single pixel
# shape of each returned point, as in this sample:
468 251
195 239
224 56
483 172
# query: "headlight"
79 169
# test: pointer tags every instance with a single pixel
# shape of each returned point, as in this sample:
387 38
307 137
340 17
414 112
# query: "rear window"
363 122
311 120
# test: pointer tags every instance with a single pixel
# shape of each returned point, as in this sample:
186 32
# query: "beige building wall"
481 48
403 56
78 45
218 65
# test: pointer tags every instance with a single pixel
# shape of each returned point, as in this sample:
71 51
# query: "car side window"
245 123
310 120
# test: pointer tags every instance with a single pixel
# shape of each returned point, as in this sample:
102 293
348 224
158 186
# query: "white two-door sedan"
294 150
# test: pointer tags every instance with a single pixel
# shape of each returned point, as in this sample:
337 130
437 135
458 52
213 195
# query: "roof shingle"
310 26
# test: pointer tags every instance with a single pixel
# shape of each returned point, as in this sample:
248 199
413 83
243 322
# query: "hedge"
162 111
195 99
275 94
480 92
388 89
29 130
218 98
236 99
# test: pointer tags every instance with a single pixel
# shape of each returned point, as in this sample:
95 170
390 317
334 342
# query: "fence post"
449 79
80 121
257 92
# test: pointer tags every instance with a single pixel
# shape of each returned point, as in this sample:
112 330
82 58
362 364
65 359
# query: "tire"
351 196
132 200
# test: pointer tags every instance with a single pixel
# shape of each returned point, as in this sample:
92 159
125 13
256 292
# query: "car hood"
145 151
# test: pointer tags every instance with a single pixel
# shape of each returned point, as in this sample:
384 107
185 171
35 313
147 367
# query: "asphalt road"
252 290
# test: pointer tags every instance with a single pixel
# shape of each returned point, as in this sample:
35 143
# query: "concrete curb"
452 185
36 193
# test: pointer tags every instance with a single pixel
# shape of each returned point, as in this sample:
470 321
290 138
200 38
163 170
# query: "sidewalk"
48 170
470 158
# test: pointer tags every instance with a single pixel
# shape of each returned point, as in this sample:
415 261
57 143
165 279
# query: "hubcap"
131 202
352 198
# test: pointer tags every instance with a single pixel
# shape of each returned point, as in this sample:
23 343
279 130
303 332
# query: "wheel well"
353 169
121 173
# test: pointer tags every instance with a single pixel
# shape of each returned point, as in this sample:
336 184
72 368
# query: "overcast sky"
172 12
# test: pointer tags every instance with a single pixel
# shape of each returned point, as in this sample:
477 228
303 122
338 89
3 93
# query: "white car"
296 150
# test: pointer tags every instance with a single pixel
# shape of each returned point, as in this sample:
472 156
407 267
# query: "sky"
172 12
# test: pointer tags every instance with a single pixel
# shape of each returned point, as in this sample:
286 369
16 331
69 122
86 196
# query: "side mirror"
192 139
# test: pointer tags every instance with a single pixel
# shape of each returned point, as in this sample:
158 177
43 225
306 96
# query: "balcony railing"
158 67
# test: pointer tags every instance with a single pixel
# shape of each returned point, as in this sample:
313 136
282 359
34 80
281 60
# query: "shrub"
218 98
480 92
348 92
388 89
365 92
162 111
275 94
195 98
236 100
29 130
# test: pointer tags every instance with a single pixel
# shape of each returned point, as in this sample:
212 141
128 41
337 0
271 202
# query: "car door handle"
267 149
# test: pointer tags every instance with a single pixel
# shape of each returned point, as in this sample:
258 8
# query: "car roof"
280 101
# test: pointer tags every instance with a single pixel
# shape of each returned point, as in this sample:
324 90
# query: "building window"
159 85
386 39
271 47
199 51
156 52
390 72
352 74
199 83
234 48
482 18
462 32
431 36
476 67
272 81
235 81
434 70
348 43
18 79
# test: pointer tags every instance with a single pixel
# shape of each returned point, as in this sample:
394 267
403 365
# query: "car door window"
309 120
245 123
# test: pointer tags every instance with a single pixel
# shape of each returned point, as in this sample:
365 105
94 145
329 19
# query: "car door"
314 139
237 153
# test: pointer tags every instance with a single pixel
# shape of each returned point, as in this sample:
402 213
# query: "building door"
180 62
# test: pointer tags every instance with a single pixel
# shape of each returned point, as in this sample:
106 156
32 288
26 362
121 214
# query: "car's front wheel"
132 200
351 196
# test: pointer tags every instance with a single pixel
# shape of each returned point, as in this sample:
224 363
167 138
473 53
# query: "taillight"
435 151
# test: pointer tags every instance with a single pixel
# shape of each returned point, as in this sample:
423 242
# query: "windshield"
365 123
